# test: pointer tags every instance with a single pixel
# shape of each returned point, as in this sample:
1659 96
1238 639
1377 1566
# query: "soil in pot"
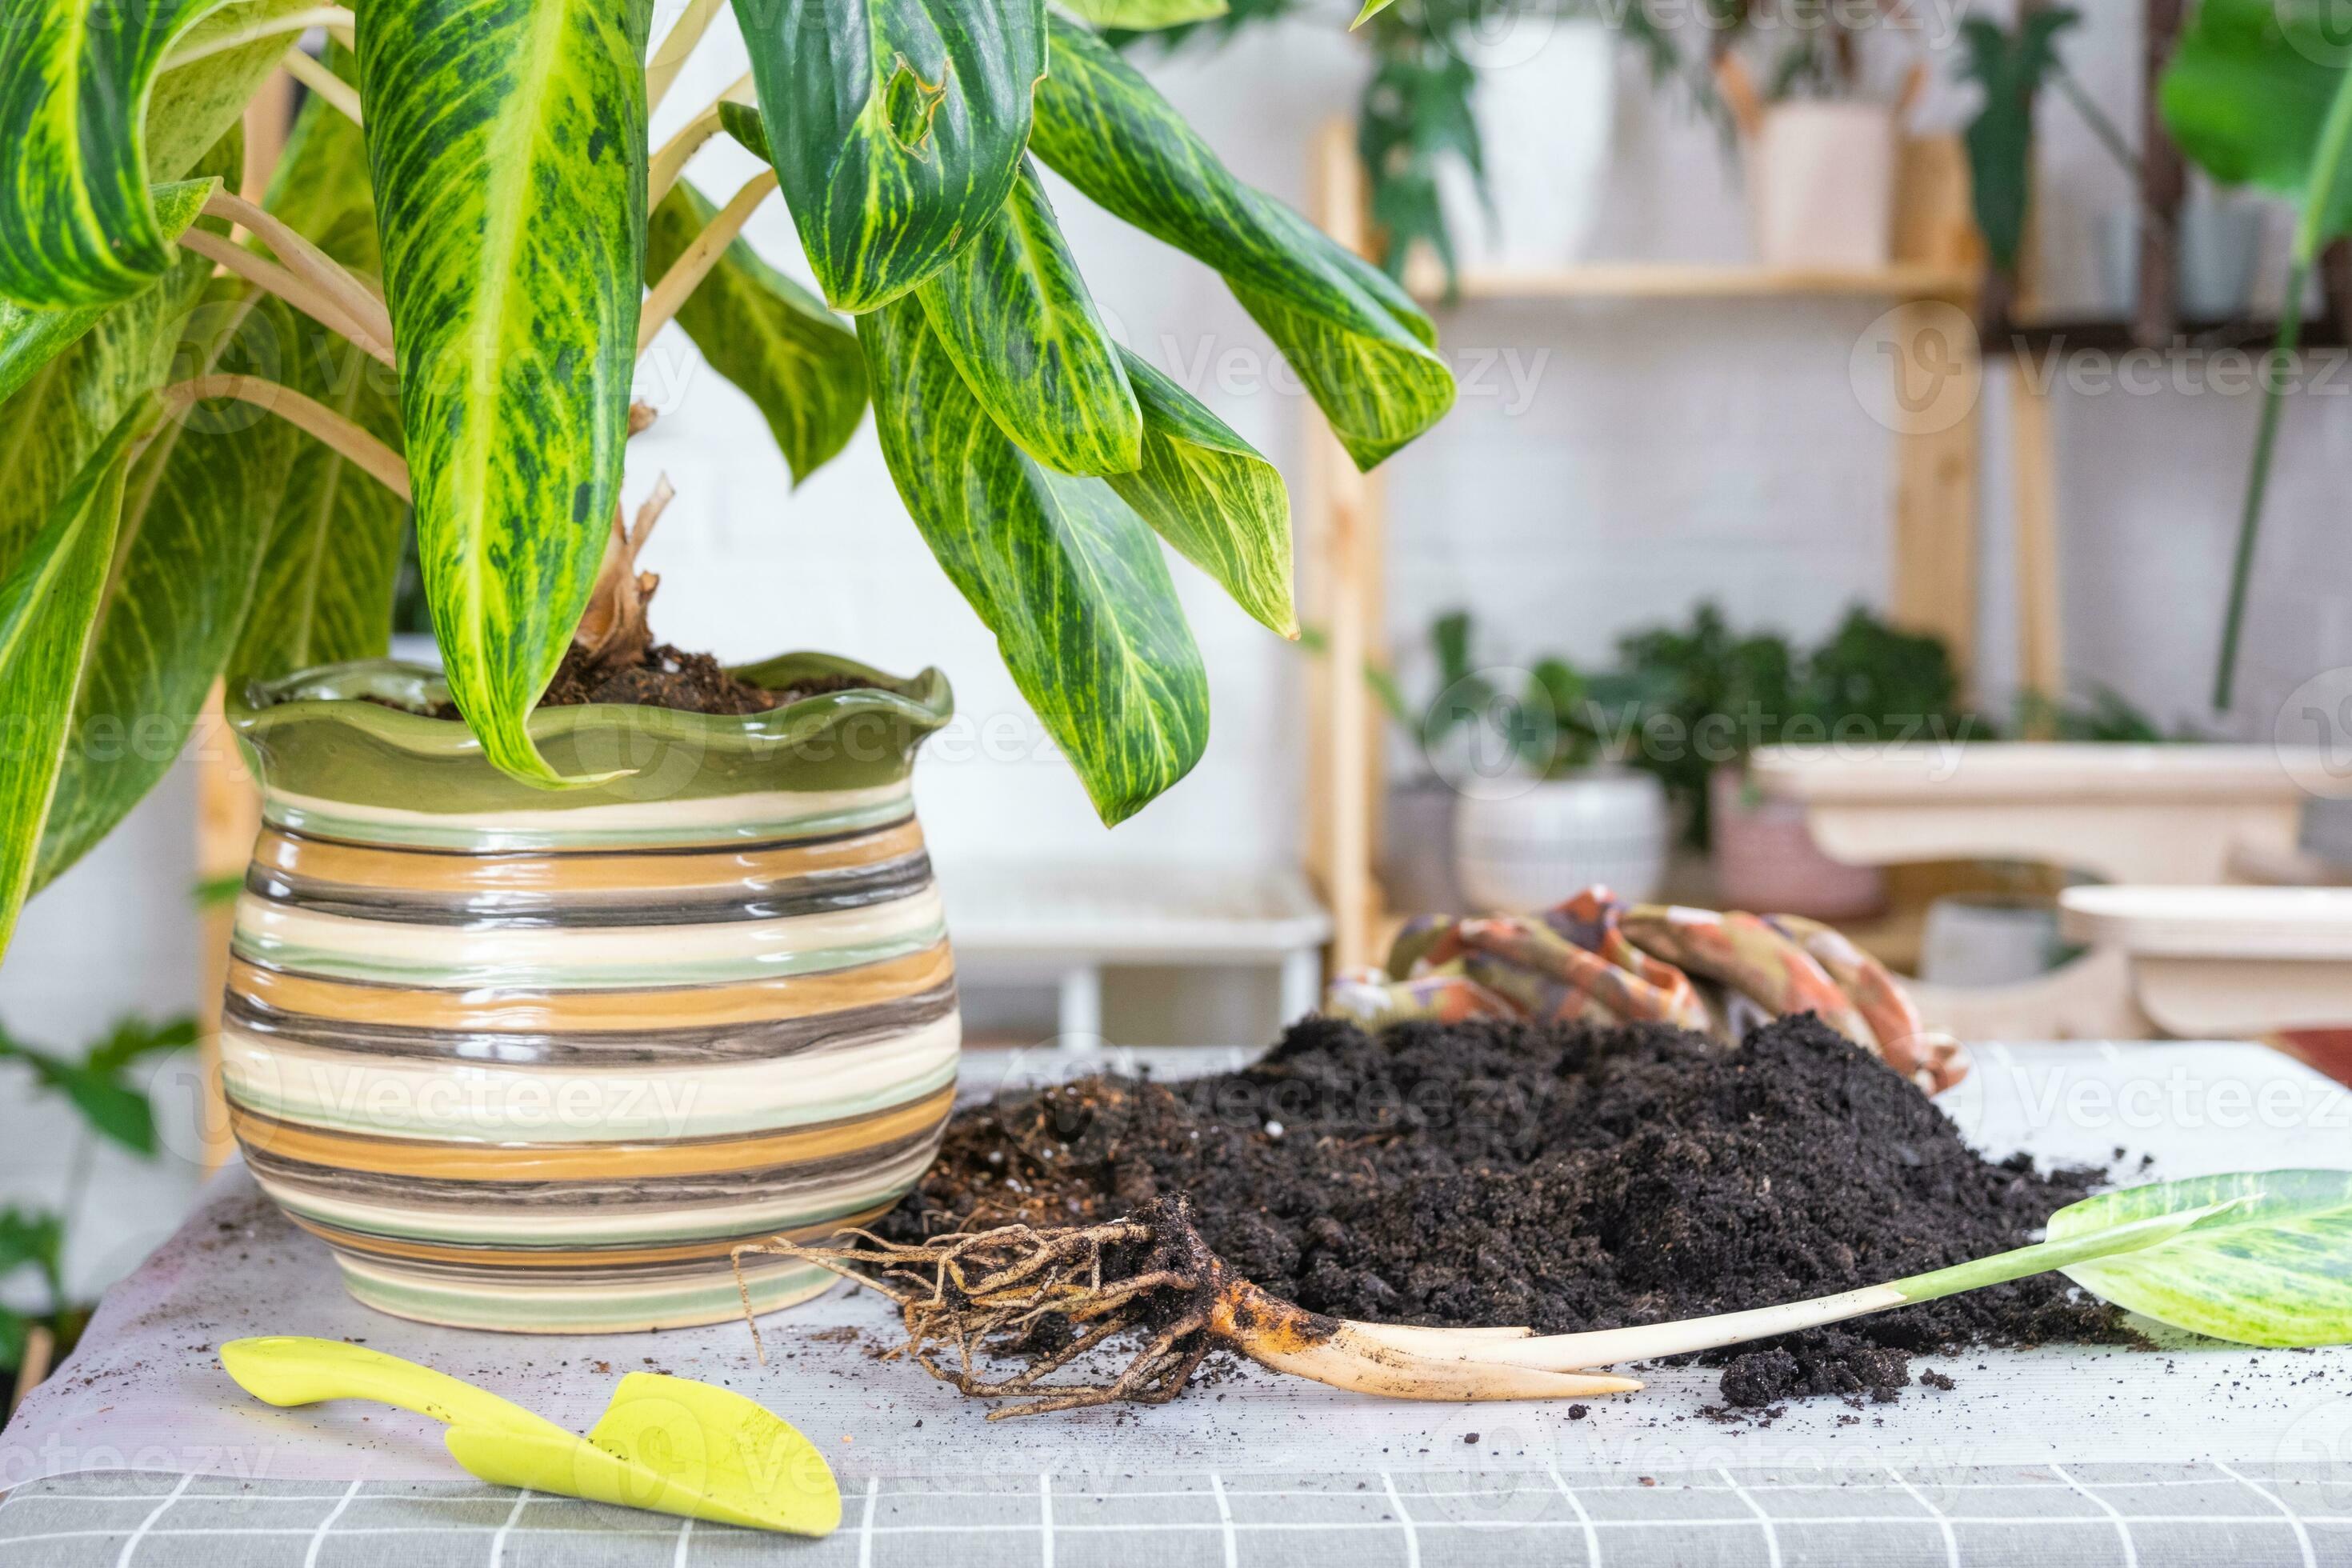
663 676
1562 1178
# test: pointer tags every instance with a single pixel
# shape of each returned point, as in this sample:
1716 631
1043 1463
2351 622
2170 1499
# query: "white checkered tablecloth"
138 1453
2077 1515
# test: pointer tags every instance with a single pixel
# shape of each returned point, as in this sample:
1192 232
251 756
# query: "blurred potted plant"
1821 153
1711 697
1558 816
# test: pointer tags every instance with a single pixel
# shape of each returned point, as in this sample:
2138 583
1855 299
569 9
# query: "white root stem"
676 48
336 19
379 461
338 94
361 305
680 281
1648 1341
670 159
1366 1365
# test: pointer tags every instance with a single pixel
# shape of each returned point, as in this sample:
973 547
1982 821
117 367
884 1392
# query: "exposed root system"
1046 1301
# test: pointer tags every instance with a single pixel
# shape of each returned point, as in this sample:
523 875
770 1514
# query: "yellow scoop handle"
287 1370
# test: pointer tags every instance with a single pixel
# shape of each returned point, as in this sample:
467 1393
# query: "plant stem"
362 304
681 280
2104 129
336 19
670 159
338 94
379 461
313 299
676 49
1649 1342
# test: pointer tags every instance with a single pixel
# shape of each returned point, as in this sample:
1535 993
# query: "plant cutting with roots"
2258 1258
216 404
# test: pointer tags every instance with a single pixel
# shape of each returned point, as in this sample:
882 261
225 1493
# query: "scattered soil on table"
1564 1178
665 678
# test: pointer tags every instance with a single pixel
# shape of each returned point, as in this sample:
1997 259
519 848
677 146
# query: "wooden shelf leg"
1940 378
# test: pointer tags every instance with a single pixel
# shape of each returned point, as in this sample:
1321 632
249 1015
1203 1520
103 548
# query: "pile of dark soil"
665 678
1561 1178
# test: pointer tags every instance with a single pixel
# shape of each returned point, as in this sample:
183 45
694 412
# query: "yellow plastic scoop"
667 1444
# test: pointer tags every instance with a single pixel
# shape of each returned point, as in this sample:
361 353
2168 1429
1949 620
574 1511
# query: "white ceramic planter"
1523 852
1821 185
1547 94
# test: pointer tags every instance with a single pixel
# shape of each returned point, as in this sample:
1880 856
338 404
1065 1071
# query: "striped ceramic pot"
536 1059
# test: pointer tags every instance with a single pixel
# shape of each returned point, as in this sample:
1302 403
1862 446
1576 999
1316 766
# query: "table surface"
139 1446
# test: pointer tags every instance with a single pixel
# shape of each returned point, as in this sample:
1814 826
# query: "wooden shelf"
2108 336
1702 280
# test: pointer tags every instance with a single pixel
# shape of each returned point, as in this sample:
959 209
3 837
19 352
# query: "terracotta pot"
536 1060
1766 860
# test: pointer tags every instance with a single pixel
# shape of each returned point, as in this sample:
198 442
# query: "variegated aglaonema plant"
217 414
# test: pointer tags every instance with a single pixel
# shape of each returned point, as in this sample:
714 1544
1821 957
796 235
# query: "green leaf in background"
134 1040
99 1086
30 339
1209 493
1371 9
2257 93
76 226
325 587
1068 578
2247 95
1999 140
1361 347
1147 15
897 127
507 142
48 599
2272 1265
193 106
1013 314
196 512
771 337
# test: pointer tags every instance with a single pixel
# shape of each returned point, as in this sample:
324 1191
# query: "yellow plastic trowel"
667 1444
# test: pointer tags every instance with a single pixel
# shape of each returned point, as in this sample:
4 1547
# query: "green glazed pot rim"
335 692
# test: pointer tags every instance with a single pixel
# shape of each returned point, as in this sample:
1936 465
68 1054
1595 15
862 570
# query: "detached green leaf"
1147 15
29 339
49 604
1371 9
508 140
2247 93
2271 1265
1361 345
76 226
325 589
897 127
773 339
1013 314
1209 493
1071 582
197 512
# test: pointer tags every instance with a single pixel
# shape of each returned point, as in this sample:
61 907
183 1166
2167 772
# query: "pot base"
687 1301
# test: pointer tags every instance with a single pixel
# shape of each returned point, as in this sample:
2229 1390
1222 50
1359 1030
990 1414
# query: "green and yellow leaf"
86 127
1068 578
2270 1264
195 512
1209 493
797 361
48 602
508 142
29 339
897 127
1147 15
333 560
1361 347
1013 314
